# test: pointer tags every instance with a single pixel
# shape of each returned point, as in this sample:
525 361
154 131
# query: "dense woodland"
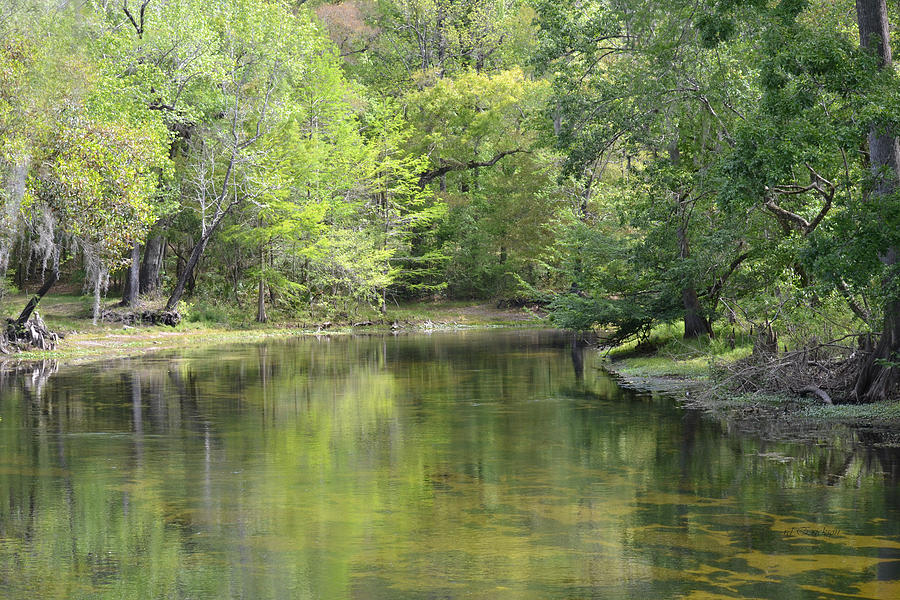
729 165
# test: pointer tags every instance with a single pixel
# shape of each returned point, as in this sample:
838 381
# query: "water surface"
499 464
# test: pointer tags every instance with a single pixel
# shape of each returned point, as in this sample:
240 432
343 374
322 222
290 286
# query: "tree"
828 93
479 134
99 184
635 81
879 374
267 56
86 171
394 46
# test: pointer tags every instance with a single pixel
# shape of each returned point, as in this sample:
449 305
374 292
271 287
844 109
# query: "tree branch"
817 181
716 288
428 176
864 315
138 25
786 215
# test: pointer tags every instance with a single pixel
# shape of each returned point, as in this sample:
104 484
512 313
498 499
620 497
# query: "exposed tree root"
816 391
33 334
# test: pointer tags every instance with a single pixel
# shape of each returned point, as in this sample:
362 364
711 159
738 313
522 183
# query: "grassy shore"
687 369
207 324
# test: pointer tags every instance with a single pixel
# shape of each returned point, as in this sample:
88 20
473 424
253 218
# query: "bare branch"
448 166
790 218
262 113
716 288
138 24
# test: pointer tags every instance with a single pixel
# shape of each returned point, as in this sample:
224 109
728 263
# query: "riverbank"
71 316
664 364
687 371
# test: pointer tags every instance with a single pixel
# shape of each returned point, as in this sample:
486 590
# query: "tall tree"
879 374
86 171
266 58
635 81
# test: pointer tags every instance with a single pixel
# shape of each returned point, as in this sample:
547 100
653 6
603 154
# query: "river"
475 464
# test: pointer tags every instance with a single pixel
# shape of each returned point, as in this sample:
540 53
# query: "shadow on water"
497 464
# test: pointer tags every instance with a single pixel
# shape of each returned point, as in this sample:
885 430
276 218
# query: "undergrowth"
665 352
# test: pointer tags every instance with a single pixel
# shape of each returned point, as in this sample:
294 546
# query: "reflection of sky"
475 464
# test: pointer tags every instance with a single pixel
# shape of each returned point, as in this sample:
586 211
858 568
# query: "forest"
727 167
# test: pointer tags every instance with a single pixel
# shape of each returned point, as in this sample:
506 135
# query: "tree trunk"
261 298
188 271
132 284
32 304
877 378
695 324
441 41
261 302
876 381
884 151
150 265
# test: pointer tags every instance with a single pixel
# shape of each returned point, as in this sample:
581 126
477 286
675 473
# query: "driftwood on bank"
823 370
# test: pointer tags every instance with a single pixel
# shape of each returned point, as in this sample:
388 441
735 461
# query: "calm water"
466 465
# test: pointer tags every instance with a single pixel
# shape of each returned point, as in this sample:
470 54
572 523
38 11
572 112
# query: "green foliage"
206 313
821 94
633 163
499 213
654 98
81 158
737 128
100 180
394 46
7 288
